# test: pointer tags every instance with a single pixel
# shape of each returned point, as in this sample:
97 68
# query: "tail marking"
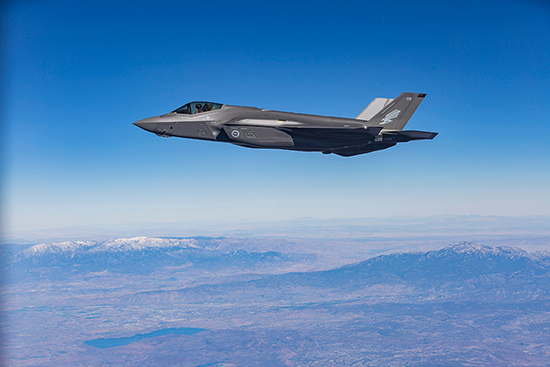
390 116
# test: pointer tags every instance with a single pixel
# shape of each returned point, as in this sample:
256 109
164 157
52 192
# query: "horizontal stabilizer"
416 135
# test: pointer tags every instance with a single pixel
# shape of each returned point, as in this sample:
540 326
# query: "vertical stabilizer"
396 114
373 108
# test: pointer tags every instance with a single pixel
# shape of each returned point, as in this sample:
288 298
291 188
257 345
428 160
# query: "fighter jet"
378 127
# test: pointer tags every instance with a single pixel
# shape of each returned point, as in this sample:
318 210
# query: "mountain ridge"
462 272
113 245
141 255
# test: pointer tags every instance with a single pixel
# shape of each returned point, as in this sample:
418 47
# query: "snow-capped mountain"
70 249
477 250
139 254
457 261
461 269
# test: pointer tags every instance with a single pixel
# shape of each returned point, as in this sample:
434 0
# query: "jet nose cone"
148 124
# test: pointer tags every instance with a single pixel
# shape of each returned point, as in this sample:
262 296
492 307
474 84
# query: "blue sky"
77 74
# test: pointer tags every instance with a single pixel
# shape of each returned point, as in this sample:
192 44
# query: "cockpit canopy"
198 107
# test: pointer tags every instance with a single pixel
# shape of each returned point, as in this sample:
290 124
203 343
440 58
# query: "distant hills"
463 271
461 305
453 263
140 255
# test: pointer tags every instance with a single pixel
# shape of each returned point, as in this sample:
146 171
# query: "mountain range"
140 255
461 305
464 271
458 273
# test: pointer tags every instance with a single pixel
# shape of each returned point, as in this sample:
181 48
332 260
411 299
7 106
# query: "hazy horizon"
446 228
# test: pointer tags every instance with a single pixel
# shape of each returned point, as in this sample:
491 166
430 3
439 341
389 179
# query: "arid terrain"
465 304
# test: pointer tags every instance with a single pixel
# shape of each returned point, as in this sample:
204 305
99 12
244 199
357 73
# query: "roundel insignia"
235 133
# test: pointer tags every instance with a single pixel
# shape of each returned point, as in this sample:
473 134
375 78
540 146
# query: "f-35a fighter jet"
378 127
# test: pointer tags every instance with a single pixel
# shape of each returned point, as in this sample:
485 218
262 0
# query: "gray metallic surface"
257 128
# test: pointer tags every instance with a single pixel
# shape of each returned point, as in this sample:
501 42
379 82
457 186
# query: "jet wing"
333 132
